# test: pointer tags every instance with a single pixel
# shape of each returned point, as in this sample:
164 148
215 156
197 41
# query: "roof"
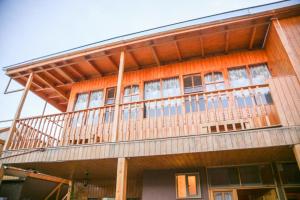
56 73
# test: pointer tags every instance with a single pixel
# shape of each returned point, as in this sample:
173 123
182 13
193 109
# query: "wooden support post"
53 191
279 189
70 190
118 97
18 112
121 185
296 149
1 172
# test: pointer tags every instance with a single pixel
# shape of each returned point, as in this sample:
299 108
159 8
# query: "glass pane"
224 100
259 74
223 176
197 80
218 76
238 77
152 90
266 174
81 102
220 86
170 87
110 96
208 78
239 100
192 185
187 82
218 196
192 84
250 175
181 186
289 173
131 94
265 95
201 103
227 196
96 99
210 87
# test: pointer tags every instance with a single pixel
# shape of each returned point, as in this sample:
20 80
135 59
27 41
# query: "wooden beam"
296 150
18 112
226 41
111 60
58 90
252 37
155 56
94 67
48 73
118 97
132 56
178 50
65 75
201 46
75 70
121 185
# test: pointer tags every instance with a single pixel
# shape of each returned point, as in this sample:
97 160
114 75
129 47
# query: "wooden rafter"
201 46
93 65
75 70
154 53
178 50
112 62
132 56
47 82
65 75
48 73
252 37
226 41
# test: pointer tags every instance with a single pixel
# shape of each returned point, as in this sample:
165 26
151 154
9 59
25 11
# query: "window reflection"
81 102
238 77
214 81
259 74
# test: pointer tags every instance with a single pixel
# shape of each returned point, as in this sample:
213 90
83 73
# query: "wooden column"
18 112
118 98
1 172
276 177
121 185
296 149
70 190
292 55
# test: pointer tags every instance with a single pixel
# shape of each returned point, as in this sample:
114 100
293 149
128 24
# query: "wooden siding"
201 143
278 59
291 40
286 95
214 63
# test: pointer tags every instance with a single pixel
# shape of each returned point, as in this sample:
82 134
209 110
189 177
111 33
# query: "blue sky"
31 28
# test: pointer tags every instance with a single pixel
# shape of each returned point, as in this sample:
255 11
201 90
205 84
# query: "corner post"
118 97
18 112
121 185
296 150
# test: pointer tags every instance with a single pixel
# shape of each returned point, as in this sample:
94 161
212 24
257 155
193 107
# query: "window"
192 83
162 88
238 77
263 96
96 99
214 81
81 102
110 96
131 94
242 175
289 173
187 185
259 73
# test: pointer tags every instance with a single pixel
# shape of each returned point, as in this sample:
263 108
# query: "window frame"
193 86
89 93
214 82
160 80
198 185
106 95
130 86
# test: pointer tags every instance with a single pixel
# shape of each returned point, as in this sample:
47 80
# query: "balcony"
244 108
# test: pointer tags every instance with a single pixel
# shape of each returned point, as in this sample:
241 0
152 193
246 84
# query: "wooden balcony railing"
208 112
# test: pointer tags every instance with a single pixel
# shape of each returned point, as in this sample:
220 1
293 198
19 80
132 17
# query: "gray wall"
160 185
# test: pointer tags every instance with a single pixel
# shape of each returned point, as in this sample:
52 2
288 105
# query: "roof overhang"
244 29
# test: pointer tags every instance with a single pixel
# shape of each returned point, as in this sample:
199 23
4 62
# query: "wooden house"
204 109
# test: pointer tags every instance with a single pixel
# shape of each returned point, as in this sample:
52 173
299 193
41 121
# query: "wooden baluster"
23 135
16 134
31 134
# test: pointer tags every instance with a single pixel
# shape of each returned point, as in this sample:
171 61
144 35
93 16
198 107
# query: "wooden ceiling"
106 168
54 77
